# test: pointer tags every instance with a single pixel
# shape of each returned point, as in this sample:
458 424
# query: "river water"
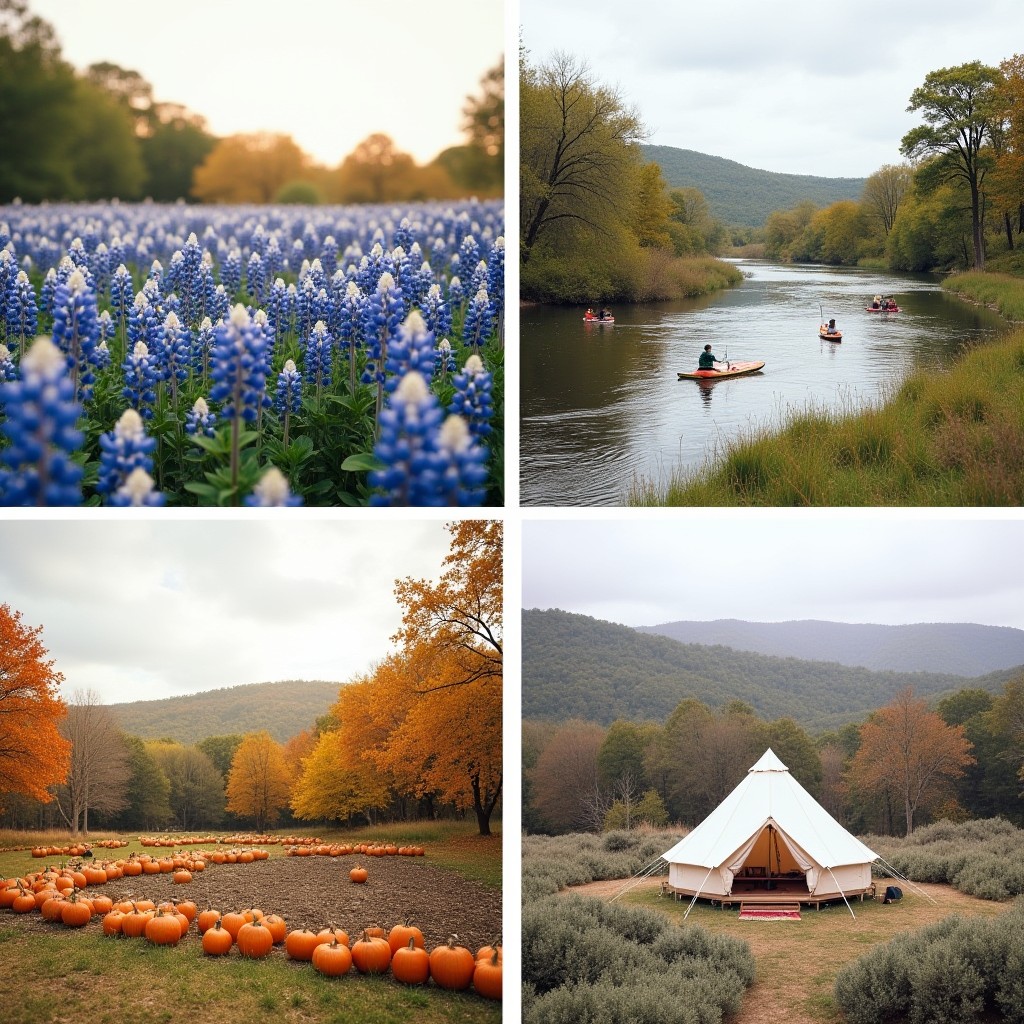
602 406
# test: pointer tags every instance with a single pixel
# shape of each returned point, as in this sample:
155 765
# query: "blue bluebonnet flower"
296 257
478 279
8 371
456 294
219 305
436 312
138 490
472 398
255 277
199 419
496 278
155 277
116 252
141 375
329 255
107 327
78 255
202 348
288 396
8 275
317 357
258 239
273 491
98 262
428 461
238 367
122 450
22 314
479 321
277 307
102 356
49 290
404 236
469 252
273 258
444 359
122 296
175 353
383 311
76 330
315 272
41 413
231 273
412 348
310 241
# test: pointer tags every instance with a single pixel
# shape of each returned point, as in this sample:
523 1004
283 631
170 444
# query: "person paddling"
707 360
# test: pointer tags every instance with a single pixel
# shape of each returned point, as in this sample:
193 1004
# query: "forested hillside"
961 648
745 196
282 709
575 666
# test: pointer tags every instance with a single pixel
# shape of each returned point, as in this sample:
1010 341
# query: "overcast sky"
763 569
144 610
803 87
327 72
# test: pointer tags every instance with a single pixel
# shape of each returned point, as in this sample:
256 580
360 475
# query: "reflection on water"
601 404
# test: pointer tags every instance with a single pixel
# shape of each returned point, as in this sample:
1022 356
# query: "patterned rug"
770 915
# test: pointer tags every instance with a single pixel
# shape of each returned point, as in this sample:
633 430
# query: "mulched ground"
313 892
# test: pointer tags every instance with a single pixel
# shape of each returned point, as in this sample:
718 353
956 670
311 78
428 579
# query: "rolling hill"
744 196
575 666
961 648
282 708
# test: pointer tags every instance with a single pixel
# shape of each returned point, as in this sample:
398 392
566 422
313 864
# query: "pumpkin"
358 874
24 902
371 955
374 932
163 929
216 940
402 934
76 912
112 923
300 943
233 922
134 924
411 964
52 908
486 952
332 959
254 940
181 876
332 933
188 908
207 919
487 976
278 929
452 966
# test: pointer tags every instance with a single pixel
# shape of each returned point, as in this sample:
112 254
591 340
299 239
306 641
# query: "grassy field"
797 961
71 976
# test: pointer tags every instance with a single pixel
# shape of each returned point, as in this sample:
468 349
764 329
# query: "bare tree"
566 776
99 774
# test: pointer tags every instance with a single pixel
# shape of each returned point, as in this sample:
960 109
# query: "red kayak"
599 320
882 309
731 370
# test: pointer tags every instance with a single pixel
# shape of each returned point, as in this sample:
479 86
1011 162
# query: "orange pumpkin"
163 929
300 943
216 940
254 940
233 922
112 923
487 977
358 874
76 912
401 935
451 966
278 929
371 955
332 933
207 919
332 959
411 964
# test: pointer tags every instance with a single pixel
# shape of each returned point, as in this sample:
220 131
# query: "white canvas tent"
770 834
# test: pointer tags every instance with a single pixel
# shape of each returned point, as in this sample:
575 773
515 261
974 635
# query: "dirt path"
797 961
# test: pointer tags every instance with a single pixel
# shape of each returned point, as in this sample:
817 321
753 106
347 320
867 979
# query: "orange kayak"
731 370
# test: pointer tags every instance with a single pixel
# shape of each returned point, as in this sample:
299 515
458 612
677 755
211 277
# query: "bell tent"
770 839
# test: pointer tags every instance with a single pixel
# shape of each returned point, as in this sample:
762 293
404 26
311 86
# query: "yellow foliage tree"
376 172
249 168
33 753
259 782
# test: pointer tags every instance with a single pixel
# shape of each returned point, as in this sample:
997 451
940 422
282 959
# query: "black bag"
892 894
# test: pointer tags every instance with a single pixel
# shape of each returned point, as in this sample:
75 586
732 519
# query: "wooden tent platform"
755 892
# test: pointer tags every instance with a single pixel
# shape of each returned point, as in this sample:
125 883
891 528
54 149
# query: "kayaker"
606 314
707 359
832 327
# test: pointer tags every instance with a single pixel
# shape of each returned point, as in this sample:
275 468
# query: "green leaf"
362 462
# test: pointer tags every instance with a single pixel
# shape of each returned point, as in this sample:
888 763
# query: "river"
602 406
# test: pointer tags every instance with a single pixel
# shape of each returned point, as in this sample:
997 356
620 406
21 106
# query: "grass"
70 977
797 961
949 438
452 845
1003 292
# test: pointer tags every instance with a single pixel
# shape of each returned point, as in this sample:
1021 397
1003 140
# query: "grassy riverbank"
954 437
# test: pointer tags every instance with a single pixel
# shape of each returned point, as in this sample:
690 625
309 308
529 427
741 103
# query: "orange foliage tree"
911 752
249 168
33 753
259 782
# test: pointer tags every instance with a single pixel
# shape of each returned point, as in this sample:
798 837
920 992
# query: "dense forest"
963 649
575 666
281 708
743 196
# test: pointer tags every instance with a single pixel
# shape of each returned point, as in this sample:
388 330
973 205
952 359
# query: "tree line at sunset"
418 735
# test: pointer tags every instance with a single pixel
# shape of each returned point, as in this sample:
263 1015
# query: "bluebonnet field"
257 355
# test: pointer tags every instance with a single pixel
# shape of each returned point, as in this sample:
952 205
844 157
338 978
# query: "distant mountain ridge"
957 648
574 666
744 196
282 709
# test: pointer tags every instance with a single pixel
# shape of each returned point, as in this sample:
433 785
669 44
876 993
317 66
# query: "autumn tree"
885 190
148 792
565 778
33 754
956 104
248 168
911 752
99 773
259 782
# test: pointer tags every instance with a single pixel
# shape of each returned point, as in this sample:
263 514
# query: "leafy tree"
376 172
259 782
175 145
565 778
910 752
622 752
1007 721
34 755
578 152
301 193
148 791
221 750
1005 183
104 151
336 783
956 104
652 208
99 774
931 230
884 192
36 107
196 787
248 168
480 166
797 752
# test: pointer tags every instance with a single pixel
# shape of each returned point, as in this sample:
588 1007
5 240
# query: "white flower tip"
377 251
200 408
129 426
76 282
192 240
444 345
260 317
240 316
5 353
273 487
141 350
474 365
22 278
434 291
289 366
352 291
206 325
137 487
412 389
414 323
44 359
386 283
499 242
454 434
172 321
